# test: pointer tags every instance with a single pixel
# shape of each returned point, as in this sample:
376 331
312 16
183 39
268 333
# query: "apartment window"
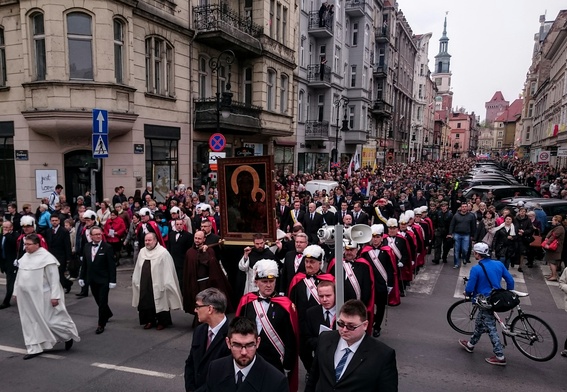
321 107
2 59
364 73
354 34
353 76
420 93
379 89
248 86
308 106
300 107
532 88
119 51
530 109
278 21
500 133
302 53
271 21
421 69
528 131
499 144
283 93
459 125
337 61
38 32
419 113
203 78
381 57
271 99
159 66
351 117
458 135
284 26
80 40
438 81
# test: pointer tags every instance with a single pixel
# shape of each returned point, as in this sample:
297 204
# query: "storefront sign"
244 152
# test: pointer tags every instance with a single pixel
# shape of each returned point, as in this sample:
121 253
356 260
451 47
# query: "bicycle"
530 334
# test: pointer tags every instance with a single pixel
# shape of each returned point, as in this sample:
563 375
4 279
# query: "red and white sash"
352 278
392 244
269 329
292 212
374 256
312 288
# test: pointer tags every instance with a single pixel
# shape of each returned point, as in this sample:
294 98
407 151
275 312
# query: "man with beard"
251 256
383 262
303 293
276 319
155 289
244 371
202 270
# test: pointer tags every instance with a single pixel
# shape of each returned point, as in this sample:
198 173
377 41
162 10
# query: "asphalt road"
127 357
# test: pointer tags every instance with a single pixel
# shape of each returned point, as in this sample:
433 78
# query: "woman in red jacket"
114 232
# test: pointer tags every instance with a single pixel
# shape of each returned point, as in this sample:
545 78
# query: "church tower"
442 73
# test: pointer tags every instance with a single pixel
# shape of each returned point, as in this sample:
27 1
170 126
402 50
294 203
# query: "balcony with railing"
320 27
381 108
382 34
319 75
317 130
355 137
221 27
380 70
355 7
243 118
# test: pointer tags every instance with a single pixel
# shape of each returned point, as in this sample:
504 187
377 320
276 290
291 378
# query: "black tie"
239 378
264 299
328 318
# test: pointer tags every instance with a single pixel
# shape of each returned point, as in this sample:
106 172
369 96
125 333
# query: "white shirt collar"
244 371
218 327
353 347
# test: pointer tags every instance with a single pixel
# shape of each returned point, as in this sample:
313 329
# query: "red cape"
154 226
370 304
285 303
301 275
394 295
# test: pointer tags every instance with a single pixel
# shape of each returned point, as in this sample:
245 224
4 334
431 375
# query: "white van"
319 185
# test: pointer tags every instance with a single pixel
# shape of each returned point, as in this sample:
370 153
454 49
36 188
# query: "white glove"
112 285
16 263
81 283
413 263
390 289
286 372
400 264
81 258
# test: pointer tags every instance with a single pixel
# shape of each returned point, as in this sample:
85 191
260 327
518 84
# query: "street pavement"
128 358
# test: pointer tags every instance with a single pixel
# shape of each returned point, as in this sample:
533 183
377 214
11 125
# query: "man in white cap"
359 278
148 225
400 247
303 292
383 262
276 319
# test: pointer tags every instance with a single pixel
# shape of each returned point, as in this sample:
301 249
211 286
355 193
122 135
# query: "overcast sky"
490 41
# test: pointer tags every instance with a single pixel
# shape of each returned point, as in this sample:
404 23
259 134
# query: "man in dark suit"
328 216
359 217
99 272
8 253
340 214
297 214
208 338
338 197
59 245
283 213
320 315
350 360
14 216
178 243
293 262
254 374
312 222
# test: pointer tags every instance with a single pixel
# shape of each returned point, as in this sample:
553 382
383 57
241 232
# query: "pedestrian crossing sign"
100 146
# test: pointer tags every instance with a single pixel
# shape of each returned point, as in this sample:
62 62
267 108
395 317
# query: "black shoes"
435 261
68 344
30 356
4 306
520 270
82 295
376 333
99 330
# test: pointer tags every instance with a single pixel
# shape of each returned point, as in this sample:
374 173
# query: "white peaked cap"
146 211
89 214
350 244
423 209
175 210
392 222
417 211
409 215
314 252
403 218
27 221
266 269
377 229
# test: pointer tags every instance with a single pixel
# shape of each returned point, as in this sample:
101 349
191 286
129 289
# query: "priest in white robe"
155 288
41 302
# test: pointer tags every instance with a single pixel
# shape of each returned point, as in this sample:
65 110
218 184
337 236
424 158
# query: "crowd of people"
284 295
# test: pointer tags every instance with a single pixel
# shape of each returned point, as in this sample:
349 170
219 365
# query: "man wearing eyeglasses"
243 370
208 338
350 360
276 319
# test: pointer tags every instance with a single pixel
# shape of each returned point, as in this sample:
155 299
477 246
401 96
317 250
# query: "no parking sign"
543 157
217 142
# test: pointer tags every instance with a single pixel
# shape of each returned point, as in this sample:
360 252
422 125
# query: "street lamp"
215 63
342 101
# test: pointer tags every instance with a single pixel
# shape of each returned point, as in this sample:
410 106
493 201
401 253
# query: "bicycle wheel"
461 316
533 337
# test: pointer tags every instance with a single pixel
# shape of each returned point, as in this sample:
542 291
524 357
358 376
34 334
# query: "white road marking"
24 352
426 279
133 370
3 281
557 294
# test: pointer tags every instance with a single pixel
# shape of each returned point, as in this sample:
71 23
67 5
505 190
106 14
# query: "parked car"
468 183
501 191
551 207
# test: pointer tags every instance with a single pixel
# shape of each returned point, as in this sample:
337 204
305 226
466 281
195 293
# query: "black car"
501 191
